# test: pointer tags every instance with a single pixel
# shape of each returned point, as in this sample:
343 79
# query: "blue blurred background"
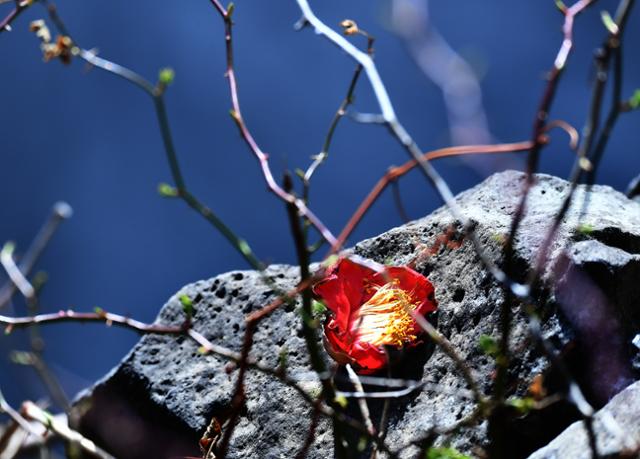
92 140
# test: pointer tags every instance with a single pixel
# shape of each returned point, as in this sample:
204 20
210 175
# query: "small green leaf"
442 452
523 405
585 229
243 246
282 359
8 248
561 6
488 345
166 76
21 358
634 102
341 400
362 443
234 114
609 23
187 305
318 308
308 320
40 278
99 311
499 238
329 261
167 191
230 8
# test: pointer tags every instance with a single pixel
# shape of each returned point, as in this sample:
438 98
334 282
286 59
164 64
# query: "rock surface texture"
616 427
161 398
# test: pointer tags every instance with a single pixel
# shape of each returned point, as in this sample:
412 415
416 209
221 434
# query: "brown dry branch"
311 433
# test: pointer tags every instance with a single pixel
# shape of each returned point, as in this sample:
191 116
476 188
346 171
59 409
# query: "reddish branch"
542 114
395 173
261 156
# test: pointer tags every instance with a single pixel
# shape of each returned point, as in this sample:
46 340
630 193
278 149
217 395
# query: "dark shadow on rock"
408 364
120 416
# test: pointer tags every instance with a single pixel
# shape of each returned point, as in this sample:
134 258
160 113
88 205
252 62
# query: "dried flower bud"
349 27
41 30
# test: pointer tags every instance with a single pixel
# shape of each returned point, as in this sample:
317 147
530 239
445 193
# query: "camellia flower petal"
372 310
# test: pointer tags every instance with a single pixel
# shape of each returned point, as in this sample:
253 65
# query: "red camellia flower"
372 310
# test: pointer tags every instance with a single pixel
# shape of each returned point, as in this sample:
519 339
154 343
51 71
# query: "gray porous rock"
616 428
161 398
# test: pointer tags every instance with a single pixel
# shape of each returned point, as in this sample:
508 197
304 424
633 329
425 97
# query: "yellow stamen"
385 318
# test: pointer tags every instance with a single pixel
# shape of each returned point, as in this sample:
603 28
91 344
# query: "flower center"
385 318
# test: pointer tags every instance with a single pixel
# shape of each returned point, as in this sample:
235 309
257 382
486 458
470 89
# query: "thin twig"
239 397
308 330
340 113
156 92
502 362
393 123
362 402
60 212
245 133
32 411
441 341
21 5
311 433
395 173
5 407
